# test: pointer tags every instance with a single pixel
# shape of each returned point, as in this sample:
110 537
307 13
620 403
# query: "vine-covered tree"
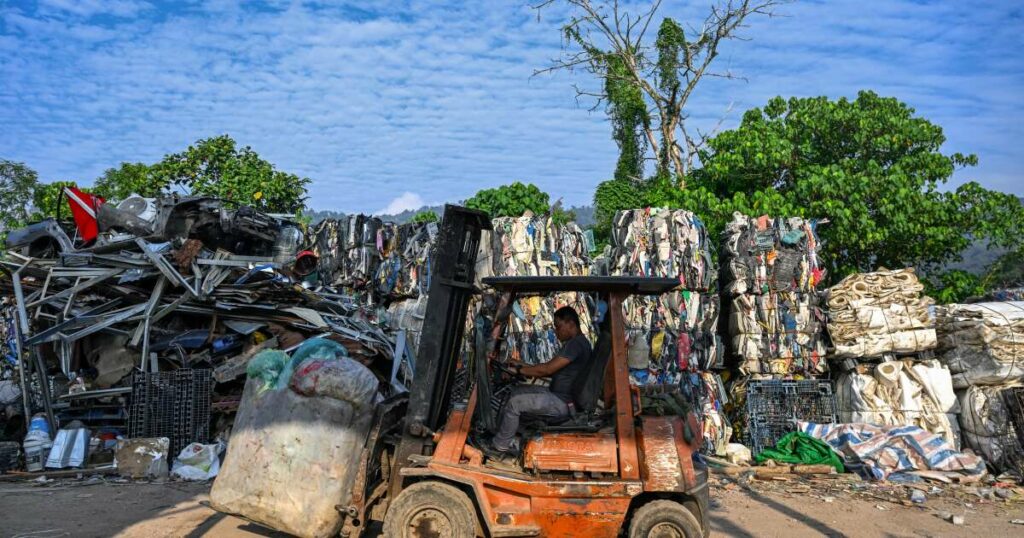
648 72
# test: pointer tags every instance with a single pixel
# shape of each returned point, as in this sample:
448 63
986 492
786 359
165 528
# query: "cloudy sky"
392 104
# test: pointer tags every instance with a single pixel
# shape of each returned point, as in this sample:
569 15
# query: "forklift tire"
664 519
430 510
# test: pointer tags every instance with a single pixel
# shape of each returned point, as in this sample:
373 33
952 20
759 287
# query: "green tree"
119 183
216 167
17 183
47 201
510 200
869 165
425 216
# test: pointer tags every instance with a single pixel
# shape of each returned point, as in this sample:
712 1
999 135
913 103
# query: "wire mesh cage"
774 406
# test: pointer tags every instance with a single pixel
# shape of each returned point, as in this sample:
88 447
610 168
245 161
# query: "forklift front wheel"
430 509
664 519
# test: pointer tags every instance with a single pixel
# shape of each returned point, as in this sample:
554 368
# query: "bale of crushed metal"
312 444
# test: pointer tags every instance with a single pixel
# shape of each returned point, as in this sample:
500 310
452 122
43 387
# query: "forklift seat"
586 391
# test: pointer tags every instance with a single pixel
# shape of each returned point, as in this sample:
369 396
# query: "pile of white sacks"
983 346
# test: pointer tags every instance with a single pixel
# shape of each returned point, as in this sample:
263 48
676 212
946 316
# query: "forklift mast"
451 287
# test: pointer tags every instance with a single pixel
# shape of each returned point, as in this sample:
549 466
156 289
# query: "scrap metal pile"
170 284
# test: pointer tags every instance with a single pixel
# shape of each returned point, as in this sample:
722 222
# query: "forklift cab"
607 471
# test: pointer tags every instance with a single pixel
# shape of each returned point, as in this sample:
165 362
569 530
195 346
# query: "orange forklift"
609 470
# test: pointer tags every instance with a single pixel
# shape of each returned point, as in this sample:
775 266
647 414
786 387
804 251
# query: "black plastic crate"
172 404
774 407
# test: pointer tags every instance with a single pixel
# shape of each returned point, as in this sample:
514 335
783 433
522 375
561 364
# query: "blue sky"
388 105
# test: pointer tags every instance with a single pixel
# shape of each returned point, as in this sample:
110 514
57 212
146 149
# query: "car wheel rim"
666 530
430 523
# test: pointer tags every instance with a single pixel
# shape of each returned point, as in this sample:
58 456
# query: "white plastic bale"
312 444
982 343
986 427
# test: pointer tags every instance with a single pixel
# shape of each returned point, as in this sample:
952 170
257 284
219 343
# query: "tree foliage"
17 183
216 167
47 200
510 200
869 165
119 183
425 216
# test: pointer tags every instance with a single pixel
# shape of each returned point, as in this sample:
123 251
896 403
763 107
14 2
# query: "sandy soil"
793 508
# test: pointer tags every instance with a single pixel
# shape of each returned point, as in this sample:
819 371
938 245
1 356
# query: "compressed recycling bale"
312 444
871 314
982 343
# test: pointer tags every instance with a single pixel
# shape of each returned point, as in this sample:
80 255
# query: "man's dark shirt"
578 351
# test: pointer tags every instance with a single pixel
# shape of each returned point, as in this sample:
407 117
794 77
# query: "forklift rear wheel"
430 510
664 519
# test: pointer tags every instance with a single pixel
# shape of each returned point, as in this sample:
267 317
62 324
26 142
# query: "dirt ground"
829 507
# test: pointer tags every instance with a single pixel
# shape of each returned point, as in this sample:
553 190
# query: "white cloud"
437 99
406 201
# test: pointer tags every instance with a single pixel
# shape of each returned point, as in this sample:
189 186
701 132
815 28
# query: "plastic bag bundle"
778 334
197 462
771 269
677 331
534 246
341 378
762 254
987 428
663 243
717 430
982 343
267 367
871 314
406 251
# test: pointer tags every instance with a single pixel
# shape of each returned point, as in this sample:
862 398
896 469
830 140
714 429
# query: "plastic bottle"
37 443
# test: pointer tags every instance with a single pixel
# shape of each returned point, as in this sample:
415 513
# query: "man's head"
567 323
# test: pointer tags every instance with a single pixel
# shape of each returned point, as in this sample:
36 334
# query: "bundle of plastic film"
664 243
530 335
763 255
406 251
679 330
778 334
716 428
871 314
326 242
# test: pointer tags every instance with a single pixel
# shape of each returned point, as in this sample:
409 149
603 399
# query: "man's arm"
543 370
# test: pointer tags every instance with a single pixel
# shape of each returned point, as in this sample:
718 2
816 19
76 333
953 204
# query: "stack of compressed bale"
874 314
983 346
349 252
673 338
770 273
535 246
404 270
883 331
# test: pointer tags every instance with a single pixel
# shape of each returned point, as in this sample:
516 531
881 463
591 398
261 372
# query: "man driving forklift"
554 402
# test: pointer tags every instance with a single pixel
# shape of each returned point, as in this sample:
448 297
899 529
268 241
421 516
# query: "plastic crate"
172 404
773 408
